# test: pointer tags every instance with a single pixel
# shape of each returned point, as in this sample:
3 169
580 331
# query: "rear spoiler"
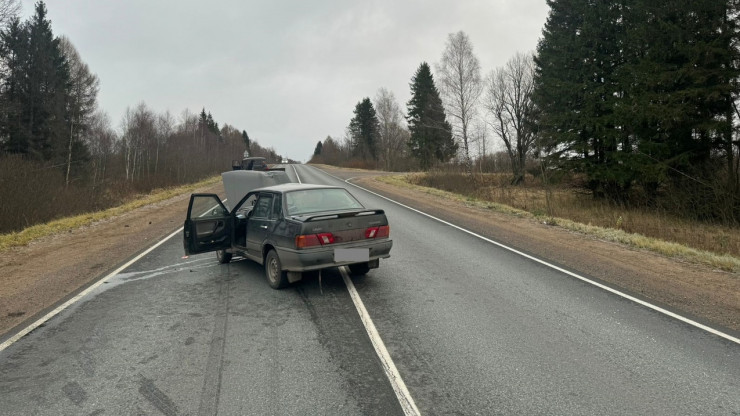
344 215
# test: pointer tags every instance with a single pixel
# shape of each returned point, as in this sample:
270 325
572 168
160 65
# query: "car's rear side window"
263 206
319 200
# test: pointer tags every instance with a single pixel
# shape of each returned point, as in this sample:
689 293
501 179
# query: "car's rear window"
320 200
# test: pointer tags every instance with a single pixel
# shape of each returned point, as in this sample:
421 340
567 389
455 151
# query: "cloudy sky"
287 72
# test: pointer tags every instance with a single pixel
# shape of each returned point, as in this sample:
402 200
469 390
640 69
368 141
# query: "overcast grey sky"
287 72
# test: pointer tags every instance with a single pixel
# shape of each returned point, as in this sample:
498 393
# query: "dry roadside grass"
22 238
534 202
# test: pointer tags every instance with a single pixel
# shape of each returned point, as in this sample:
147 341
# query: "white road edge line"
80 295
399 387
577 276
296 174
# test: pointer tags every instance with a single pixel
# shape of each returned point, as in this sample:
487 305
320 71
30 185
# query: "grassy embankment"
29 234
712 245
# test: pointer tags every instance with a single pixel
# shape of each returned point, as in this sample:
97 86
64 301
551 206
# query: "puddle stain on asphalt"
75 392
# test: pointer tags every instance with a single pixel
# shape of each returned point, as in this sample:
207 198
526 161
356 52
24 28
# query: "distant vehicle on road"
249 163
253 163
289 228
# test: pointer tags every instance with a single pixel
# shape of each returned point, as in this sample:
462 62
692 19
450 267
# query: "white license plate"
351 254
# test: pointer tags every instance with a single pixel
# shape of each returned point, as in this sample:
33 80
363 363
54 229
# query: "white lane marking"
577 276
399 387
394 377
296 174
80 295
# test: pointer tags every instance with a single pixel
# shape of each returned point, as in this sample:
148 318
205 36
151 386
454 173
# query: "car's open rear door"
207 226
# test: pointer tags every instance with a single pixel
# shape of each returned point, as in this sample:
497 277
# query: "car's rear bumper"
323 257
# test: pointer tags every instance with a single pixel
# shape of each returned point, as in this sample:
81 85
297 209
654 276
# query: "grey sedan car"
289 228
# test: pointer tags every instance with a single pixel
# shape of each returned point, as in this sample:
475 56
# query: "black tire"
276 277
359 269
223 257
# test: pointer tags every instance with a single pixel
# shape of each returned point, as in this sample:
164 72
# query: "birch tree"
81 98
460 85
392 135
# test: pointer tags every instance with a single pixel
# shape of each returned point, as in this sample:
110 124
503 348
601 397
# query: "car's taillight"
378 232
325 238
312 240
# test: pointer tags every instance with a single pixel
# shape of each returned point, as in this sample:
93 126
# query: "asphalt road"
472 329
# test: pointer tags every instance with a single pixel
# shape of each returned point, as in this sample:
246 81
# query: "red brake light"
384 231
311 240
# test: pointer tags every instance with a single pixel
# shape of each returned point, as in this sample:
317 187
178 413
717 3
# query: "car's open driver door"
207 226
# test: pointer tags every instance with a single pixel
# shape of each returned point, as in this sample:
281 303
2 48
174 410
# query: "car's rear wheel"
276 277
359 269
223 257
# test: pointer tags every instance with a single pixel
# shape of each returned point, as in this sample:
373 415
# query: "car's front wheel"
223 256
276 277
359 269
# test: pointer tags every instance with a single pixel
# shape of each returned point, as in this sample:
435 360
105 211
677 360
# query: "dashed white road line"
552 266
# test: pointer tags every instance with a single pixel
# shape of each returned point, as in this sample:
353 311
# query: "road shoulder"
36 277
711 297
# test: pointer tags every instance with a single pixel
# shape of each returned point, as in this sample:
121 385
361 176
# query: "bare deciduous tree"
509 102
8 10
392 132
82 99
165 128
460 81
100 139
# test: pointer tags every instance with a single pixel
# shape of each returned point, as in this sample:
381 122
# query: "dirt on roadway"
36 277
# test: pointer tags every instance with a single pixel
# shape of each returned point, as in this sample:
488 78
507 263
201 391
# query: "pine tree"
14 53
577 92
35 89
635 90
431 138
317 150
364 128
47 89
680 58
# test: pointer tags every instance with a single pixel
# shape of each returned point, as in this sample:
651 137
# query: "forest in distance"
633 101
57 142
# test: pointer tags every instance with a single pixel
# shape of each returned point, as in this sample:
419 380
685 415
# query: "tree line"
635 99
59 153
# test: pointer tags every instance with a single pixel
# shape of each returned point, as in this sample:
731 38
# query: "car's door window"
206 206
263 206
